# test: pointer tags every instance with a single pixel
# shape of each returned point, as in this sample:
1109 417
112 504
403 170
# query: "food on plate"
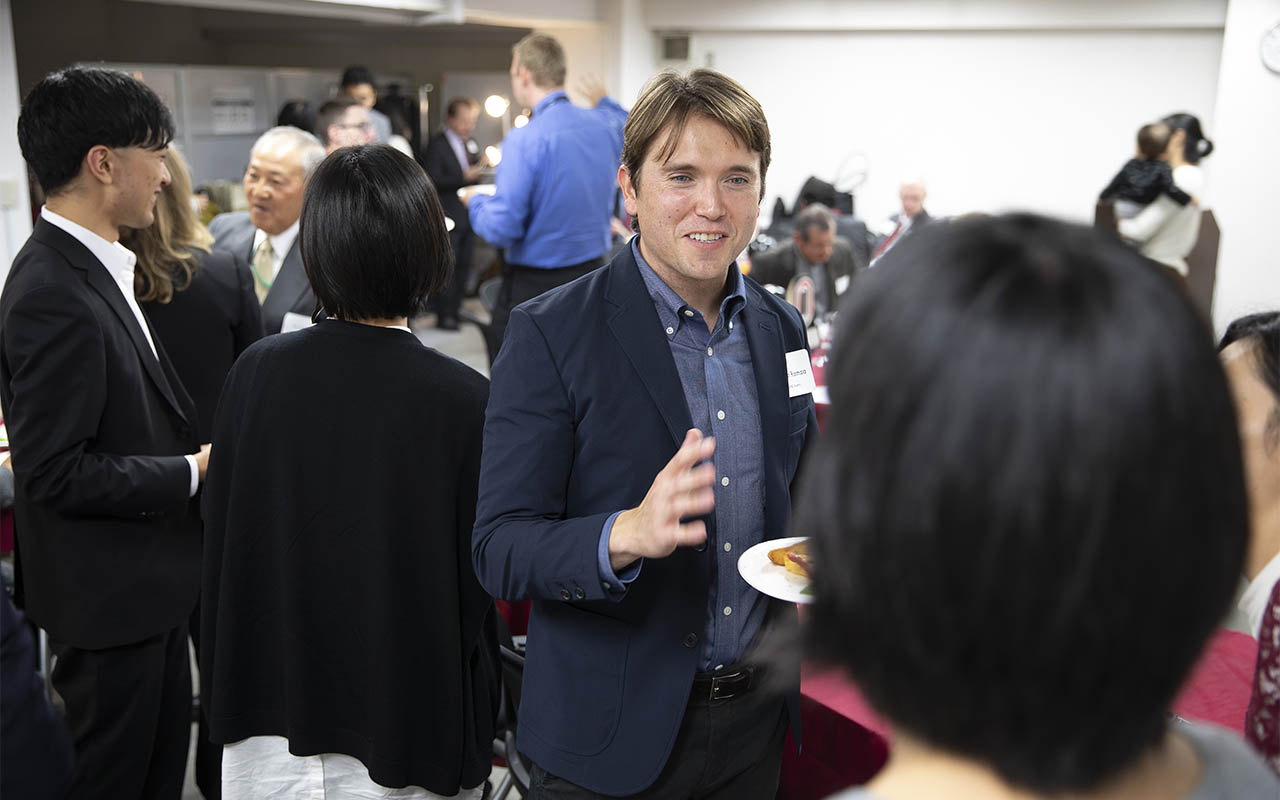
794 559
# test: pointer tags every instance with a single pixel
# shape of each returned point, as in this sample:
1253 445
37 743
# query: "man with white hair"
280 163
912 218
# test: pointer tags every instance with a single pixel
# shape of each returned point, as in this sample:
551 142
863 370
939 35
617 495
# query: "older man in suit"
104 440
815 251
280 163
644 427
453 161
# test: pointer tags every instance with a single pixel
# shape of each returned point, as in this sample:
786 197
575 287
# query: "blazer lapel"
102 282
289 287
635 326
768 360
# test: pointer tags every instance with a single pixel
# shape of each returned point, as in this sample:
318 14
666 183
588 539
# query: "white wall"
15 205
586 54
1244 170
993 119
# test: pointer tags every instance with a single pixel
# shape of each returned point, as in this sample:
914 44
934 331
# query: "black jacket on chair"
109 541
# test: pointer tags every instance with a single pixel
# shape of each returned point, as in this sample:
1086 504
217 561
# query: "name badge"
799 374
294 321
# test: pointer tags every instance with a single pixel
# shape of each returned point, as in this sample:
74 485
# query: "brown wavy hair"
169 250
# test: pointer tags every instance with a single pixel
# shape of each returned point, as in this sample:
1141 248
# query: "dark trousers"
725 750
525 283
447 303
128 710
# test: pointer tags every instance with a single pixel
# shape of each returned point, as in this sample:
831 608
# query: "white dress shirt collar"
117 259
280 244
1253 601
459 146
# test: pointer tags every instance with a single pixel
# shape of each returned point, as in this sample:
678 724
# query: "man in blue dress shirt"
555 184
644 429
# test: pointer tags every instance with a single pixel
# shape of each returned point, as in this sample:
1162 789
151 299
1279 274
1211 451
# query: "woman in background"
350 646
1164 230
1250 352
1028 515
200 302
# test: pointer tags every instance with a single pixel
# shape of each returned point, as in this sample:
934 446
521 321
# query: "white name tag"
842 283
293 321
799 374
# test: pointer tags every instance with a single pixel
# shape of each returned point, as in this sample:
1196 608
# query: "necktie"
887 243
263 269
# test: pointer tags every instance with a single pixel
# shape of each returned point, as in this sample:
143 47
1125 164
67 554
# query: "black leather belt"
727 684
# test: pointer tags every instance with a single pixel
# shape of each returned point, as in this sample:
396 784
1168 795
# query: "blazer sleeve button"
564 594
690 639
579 593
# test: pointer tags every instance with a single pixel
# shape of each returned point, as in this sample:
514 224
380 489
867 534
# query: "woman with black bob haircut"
1250 351
1028 515
348 646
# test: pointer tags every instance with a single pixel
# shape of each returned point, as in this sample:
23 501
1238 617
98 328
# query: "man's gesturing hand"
682 489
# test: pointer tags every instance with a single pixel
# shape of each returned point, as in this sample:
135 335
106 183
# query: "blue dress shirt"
719 385
555 185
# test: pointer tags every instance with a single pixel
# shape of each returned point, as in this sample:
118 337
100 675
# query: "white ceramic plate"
768 578
478 188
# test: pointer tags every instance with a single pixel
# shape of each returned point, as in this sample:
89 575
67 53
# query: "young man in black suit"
105 450
453 161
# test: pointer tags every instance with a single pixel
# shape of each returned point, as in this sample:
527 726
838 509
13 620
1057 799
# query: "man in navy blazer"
643 431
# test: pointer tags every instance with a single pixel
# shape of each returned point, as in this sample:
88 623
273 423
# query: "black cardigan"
340 608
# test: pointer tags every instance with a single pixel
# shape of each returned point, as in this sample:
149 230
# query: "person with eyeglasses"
343 122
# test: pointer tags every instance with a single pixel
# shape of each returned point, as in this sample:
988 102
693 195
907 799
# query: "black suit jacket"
206 326
109 542
290 291
778 266
447 175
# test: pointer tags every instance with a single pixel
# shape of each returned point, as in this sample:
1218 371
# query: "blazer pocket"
572 692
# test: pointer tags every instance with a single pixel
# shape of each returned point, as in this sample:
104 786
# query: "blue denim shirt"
720 388
555 185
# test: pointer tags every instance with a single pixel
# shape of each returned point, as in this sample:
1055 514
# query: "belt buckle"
725 687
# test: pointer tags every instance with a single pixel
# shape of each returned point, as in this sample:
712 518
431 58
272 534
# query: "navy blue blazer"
585 408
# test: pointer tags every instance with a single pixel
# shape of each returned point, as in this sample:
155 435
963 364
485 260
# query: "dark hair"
1262 332
330 113
668 100
1197 145
372 237
71 111
298 114
1153 140
356 75
459 103
1028 506
814 216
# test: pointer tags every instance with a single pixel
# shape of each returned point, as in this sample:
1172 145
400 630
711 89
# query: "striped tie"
263 269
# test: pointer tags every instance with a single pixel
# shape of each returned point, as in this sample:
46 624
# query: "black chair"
504 743
488 292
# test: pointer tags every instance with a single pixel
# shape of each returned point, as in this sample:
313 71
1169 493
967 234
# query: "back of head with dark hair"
330 113
298 114
1028 506
71 111
356 75
1153 139
373 238
1197 145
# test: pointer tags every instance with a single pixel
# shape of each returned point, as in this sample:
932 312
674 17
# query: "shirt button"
670 331
719 415
605 585
708 351
728 546
688 312
730 326
690 639
724 481
727 611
